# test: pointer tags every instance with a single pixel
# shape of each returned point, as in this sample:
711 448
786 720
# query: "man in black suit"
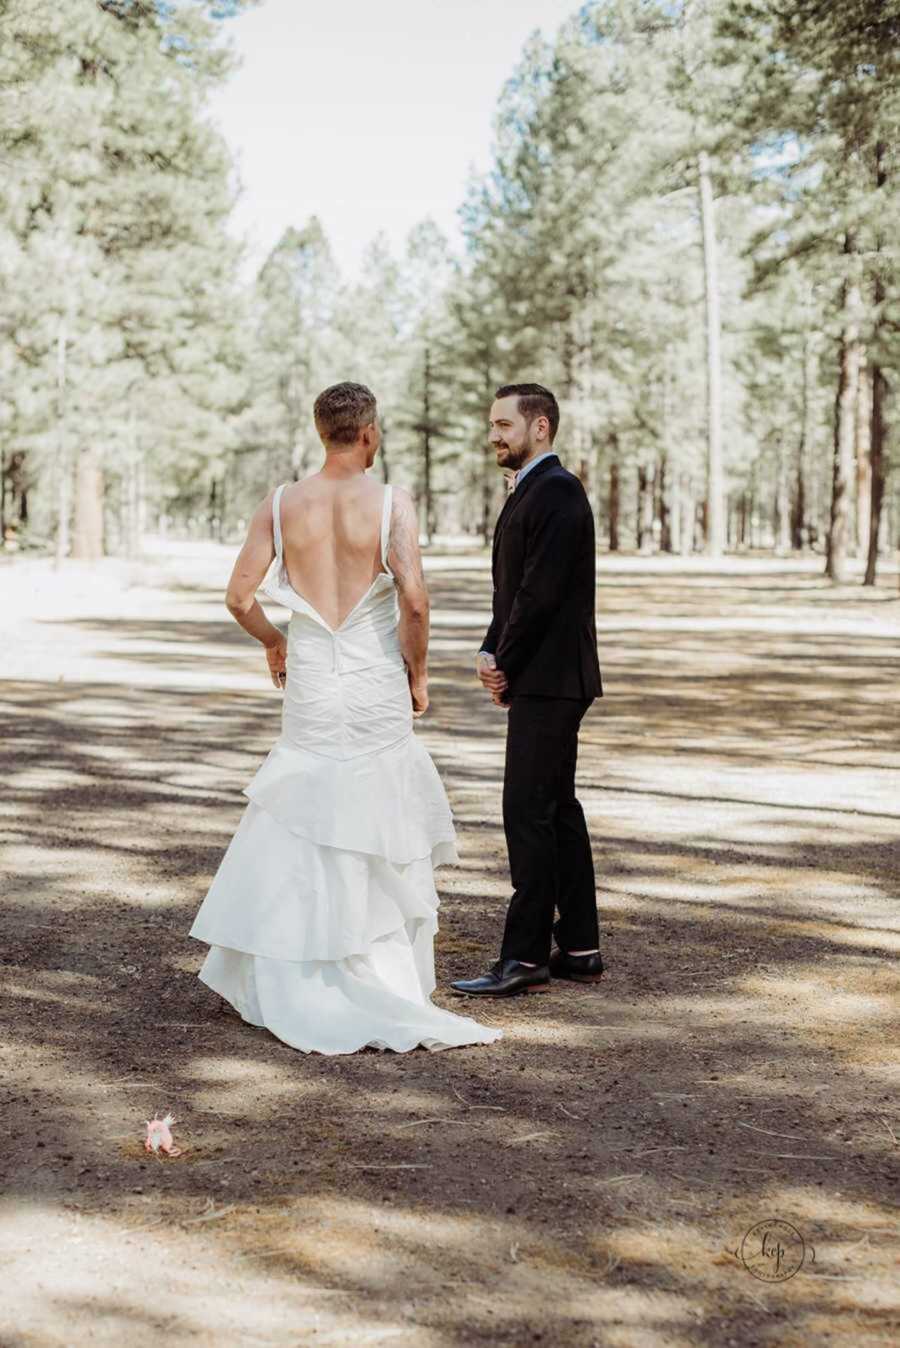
539 660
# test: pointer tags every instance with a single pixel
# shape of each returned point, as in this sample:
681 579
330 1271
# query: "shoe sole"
581 978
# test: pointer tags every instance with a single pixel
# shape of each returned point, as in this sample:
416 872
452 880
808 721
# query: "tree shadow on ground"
619 1141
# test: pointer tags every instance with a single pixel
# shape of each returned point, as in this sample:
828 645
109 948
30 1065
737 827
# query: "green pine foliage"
688 231
122 372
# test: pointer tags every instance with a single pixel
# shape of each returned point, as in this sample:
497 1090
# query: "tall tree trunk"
675 510
665 514
488 465
863 457
645 509
650 509
879 385
614 501
212 510
842 467
688 518
639 511
667 483
804 443
798 505
598 483
782 501
426 447
879 474
487 494
877 437
87 525
844 434
715 492
17 475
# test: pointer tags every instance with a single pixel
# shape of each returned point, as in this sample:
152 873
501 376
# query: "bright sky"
368 114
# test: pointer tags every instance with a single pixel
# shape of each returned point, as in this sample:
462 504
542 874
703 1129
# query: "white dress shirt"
533 463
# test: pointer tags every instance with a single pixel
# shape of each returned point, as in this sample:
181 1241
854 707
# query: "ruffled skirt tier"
322 916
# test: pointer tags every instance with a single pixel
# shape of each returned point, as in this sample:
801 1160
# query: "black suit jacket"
543 634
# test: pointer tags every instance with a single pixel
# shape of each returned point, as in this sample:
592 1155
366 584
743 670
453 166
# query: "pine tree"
118 201
822 97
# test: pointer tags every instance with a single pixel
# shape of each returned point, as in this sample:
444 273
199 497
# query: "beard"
513 458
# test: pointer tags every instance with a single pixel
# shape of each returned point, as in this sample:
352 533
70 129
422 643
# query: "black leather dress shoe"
579 968
505 978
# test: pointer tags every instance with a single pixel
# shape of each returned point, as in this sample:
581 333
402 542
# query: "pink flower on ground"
159 1137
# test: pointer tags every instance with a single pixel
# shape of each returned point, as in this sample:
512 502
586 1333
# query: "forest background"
688 231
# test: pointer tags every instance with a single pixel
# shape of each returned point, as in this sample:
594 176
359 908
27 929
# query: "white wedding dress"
322 916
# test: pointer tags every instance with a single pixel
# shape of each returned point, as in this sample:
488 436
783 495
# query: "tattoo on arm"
405 560
404 555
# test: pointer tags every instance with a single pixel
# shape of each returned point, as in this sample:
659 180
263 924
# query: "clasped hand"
494 679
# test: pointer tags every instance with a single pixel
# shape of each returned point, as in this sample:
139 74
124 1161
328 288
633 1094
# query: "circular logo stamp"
773 1250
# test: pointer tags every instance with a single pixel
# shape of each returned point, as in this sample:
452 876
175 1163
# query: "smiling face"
514 439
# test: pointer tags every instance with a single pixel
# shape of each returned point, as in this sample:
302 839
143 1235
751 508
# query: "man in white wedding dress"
322 915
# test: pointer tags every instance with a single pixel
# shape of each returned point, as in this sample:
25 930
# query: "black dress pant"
549 849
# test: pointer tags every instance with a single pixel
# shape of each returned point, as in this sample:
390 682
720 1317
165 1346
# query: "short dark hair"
341 411
534 401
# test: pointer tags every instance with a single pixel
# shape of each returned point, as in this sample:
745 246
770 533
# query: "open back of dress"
338 540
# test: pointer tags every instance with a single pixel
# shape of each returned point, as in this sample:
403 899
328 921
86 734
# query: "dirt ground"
599 1175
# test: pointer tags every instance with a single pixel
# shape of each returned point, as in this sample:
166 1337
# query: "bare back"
331 532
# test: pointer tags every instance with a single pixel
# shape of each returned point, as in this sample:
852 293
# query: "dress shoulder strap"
386 525
276 519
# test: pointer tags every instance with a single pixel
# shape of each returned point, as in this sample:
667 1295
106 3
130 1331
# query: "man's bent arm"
405 561
252 563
